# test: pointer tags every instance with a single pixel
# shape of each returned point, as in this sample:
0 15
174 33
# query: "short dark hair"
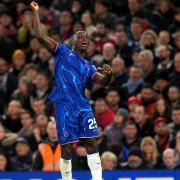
111 89
24 111
176 108
101 21
130 122
38 99
105 3
147 86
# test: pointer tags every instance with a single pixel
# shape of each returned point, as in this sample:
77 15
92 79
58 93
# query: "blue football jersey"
71 73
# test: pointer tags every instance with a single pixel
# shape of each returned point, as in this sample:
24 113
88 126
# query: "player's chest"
76 66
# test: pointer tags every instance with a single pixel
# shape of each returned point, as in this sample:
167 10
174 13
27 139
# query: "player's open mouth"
84 44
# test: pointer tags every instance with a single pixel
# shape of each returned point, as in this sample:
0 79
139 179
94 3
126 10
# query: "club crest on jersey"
66 134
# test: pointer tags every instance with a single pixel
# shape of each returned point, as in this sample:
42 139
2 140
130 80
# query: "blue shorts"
73 124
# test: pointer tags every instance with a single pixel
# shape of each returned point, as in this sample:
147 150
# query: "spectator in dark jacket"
135 159
22 160
175 75
114 132
134 83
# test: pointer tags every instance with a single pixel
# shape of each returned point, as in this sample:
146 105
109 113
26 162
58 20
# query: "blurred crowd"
138 113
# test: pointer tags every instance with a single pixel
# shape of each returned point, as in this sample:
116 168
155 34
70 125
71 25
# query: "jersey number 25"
92 123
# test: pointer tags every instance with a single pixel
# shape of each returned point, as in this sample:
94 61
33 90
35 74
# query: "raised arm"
48 42
103 76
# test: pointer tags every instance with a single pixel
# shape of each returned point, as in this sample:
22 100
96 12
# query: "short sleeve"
58 50
92 70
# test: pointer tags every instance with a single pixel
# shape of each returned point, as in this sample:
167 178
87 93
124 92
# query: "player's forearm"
101 79
48 42
37 25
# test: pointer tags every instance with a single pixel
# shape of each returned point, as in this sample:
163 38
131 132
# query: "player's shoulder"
63 46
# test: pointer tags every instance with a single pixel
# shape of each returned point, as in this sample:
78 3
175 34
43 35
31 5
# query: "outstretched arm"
103 76
48 42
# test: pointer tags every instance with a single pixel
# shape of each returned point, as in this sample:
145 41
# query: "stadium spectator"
5 164
7 45
39 131
101 35
135 159
87 20
120 74
177 147
163 16
146 62
174 96
148 99
175 75
7 22
41 82
27 124
12 120
123 48
162 109
7 85
145 125
23 92
108 52
163 137
114 100
149 40
169 159
150 153
32 52
109 160
65 26
49 151
134 83
39 106
136 10
133 102
130 135
161 84
174 27
18 61
103 13
22 160
165 63
43 58
114 132
61 5
136 30
174 127
176 42
104 115
164 39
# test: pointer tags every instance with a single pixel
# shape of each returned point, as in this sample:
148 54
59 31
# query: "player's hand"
34 6
105 69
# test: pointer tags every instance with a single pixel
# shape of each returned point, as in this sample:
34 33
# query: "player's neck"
78 51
